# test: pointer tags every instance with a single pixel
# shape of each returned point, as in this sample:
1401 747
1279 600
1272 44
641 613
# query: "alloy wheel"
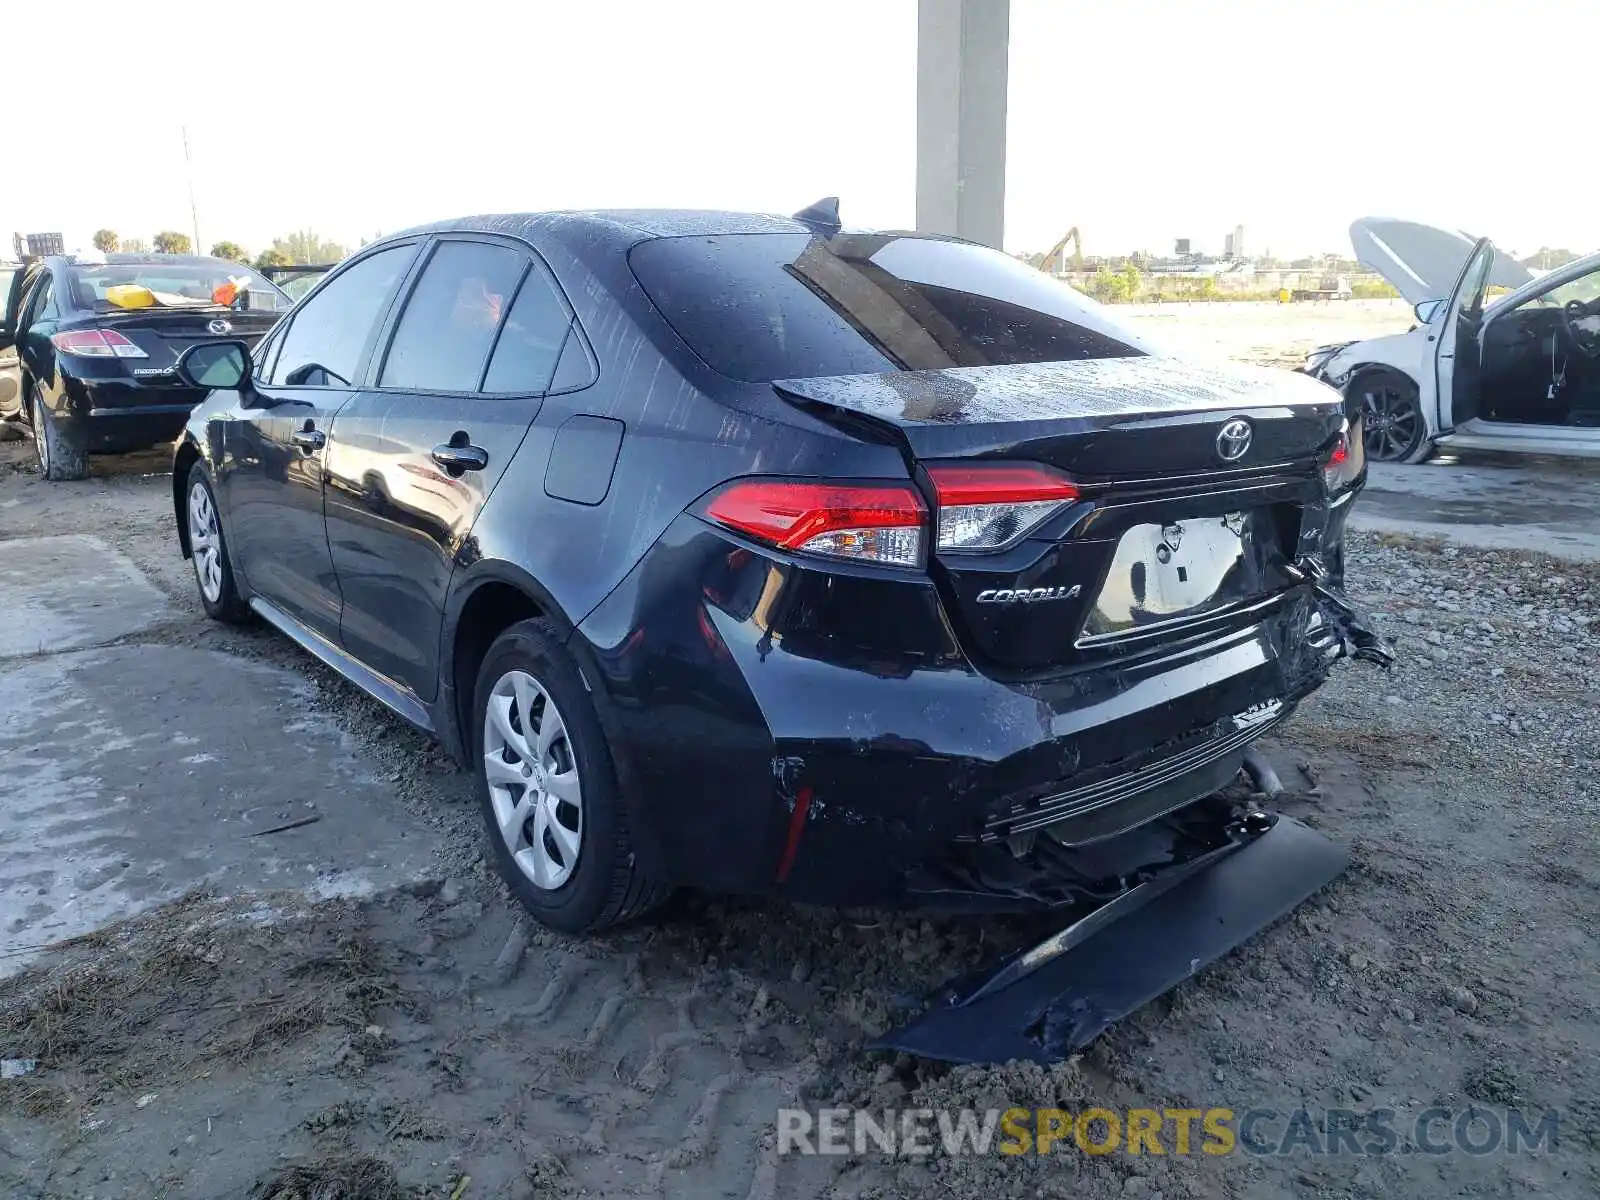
534 786
205 546
1391 420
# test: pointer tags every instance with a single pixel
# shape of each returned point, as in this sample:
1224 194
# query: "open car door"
11 299
1457 355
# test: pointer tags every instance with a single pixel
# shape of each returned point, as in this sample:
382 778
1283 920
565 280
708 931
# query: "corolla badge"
220 326
1027 595
1233 439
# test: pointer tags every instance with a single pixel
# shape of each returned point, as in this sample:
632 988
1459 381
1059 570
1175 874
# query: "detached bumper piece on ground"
1058 996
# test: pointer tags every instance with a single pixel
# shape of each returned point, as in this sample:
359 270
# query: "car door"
38 319
1456 355
413 458
277 438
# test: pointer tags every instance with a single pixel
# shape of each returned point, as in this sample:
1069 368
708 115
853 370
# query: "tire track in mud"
658 1062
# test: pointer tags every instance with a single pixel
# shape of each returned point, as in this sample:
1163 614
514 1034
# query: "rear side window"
449 324
760 307
329 332
531 342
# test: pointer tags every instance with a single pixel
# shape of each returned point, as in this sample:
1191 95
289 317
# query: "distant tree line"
1548 258
301 246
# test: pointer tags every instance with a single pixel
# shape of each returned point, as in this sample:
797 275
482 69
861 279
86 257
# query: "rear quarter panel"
686 430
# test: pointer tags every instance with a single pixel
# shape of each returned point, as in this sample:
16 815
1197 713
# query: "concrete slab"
64 593
1497 502
133 773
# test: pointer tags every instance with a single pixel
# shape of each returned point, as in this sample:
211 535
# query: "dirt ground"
426 1042
1265 332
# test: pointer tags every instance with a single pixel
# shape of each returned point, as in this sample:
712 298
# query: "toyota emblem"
1233 439
221 326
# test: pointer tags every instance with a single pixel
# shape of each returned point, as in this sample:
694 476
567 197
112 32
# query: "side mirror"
224 366
1428 310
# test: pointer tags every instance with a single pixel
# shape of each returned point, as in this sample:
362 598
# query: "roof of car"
623 224
148 257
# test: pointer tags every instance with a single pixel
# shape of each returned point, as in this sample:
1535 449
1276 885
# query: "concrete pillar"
961 117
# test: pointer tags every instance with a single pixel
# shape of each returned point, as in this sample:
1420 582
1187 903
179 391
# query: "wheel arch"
488 599
183 460
1362 370
1354 378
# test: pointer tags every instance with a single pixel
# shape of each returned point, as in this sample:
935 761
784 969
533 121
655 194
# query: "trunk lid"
165 333
1168 536
1114 418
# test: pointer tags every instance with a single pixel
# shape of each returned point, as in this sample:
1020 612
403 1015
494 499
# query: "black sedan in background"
98 341
758 555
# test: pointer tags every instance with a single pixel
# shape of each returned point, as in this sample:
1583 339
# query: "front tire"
548 787
61 456
1393 426
208 551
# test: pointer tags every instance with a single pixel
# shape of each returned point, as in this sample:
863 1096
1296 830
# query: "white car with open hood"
1517 370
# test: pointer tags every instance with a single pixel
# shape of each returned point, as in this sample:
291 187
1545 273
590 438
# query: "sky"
1139 122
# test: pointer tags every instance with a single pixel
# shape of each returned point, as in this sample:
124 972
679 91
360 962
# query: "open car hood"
1421 262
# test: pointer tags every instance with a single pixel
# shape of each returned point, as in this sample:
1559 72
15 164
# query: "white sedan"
1516 371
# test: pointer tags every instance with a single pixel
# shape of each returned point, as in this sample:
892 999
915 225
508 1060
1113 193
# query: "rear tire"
61 456
208 551
1390 405
548 788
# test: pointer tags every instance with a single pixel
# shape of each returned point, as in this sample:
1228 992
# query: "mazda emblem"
221 326
1233 439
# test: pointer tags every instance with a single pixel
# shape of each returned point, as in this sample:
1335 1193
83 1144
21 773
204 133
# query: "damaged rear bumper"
761 758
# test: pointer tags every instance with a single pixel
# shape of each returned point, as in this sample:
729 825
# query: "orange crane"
1056 261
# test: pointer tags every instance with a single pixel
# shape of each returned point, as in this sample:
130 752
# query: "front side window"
444 336
760 307
328 335
1473 283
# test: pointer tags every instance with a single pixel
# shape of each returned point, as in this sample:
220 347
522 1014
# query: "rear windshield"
174 284
760 307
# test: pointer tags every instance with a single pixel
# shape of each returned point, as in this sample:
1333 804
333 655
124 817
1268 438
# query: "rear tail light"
860 522
992 507
1346 460
95 343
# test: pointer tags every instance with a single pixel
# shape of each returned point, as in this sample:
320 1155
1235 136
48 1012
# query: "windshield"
178 284
760 307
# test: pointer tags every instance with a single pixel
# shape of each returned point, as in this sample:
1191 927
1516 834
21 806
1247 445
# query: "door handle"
457 455
309 439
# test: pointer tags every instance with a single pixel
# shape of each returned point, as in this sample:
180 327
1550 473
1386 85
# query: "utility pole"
963 50
188 169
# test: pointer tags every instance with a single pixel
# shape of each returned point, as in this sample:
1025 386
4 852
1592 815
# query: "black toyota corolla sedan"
758 555
98 339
